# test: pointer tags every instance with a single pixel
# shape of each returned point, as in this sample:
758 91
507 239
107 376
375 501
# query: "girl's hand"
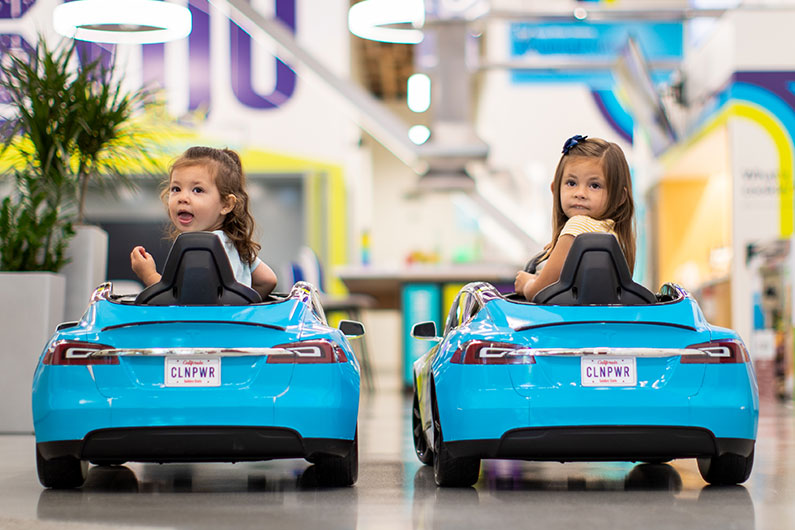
143 265
523 279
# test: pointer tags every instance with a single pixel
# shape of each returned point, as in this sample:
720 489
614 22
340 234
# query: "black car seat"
595 273
197 272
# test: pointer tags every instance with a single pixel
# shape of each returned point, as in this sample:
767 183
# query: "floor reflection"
527 494
395 491
204 496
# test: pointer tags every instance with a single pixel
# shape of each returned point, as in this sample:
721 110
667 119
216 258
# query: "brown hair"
227 173
620 205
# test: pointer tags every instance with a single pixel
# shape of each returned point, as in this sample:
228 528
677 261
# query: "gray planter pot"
34 303
88 252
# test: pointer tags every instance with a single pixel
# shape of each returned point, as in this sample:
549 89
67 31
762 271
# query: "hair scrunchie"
571 142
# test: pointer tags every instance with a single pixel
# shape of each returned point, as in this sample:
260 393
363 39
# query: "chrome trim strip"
191 352
618 352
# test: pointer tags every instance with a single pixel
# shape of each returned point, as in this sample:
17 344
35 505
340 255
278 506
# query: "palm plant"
108 142
71 124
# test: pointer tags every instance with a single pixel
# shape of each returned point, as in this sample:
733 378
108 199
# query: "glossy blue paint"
483 402
316 400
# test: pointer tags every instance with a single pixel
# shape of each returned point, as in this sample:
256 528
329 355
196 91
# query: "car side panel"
74 409
322 401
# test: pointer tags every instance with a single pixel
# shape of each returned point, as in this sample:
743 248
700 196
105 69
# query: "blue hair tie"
571 142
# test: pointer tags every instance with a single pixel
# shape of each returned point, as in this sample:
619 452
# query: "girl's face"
583 188
194 202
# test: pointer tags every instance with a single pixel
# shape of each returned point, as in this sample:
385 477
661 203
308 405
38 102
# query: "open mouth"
184 217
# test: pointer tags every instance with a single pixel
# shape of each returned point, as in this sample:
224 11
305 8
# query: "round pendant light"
122 21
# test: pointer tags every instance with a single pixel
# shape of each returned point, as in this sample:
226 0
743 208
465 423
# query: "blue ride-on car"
596 368
197 368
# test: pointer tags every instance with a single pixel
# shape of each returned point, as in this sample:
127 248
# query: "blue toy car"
197 368
596 368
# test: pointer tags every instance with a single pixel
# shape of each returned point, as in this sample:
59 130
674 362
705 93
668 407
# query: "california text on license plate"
608 371
193 372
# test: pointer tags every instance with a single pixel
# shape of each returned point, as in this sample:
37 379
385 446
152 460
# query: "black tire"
61 473
728 468
109 463
447 469
339 470
421 448
655 461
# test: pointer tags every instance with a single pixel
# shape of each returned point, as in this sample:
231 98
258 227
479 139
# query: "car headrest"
595 273
197 272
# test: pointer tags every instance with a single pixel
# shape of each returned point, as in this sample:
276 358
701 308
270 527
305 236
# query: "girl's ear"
552 187
229 204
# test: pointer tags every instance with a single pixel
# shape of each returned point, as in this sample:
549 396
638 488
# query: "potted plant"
75 124
69 124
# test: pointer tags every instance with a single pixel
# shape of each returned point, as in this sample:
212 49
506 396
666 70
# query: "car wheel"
339 470
727 468
61 473
424 452
447 469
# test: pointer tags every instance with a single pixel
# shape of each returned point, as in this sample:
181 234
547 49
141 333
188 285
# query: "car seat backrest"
197 272
595 273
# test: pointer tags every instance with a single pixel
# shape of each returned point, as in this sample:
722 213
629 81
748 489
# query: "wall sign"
199 67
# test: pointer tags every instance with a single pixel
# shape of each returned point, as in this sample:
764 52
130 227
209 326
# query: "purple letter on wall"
240 62
199 70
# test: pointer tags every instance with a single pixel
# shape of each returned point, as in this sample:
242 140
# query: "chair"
595 273
197 272
307 268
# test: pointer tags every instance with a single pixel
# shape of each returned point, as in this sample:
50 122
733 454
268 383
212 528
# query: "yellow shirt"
583 224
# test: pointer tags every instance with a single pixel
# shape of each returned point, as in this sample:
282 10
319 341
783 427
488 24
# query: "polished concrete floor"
395 491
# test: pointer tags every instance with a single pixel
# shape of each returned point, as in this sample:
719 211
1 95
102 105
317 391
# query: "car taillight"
485 352
77 353
727 351
309 351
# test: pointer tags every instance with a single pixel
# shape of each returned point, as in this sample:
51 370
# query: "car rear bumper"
490 407
319 404
193 444
620 443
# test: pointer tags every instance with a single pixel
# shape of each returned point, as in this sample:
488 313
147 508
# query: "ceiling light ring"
135 21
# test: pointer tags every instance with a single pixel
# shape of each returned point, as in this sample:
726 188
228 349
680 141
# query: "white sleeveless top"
241 269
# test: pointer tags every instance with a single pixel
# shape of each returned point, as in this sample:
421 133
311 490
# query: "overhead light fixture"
419 134
418 92
445 180
370 19
122 21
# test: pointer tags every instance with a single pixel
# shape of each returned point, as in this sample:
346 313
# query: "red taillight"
485 352
77 353
727 351
309 351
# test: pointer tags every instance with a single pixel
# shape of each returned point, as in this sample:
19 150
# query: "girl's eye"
197 190
596 185
570 183
174 189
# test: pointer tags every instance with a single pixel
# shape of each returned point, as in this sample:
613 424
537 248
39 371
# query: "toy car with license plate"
197 368
595 368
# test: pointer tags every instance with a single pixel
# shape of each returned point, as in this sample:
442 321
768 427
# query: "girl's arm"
551 271
263 280
143 265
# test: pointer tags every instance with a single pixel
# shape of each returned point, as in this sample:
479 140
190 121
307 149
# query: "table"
421 293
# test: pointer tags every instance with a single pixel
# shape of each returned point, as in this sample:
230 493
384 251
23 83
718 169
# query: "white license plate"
193 372
602 371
